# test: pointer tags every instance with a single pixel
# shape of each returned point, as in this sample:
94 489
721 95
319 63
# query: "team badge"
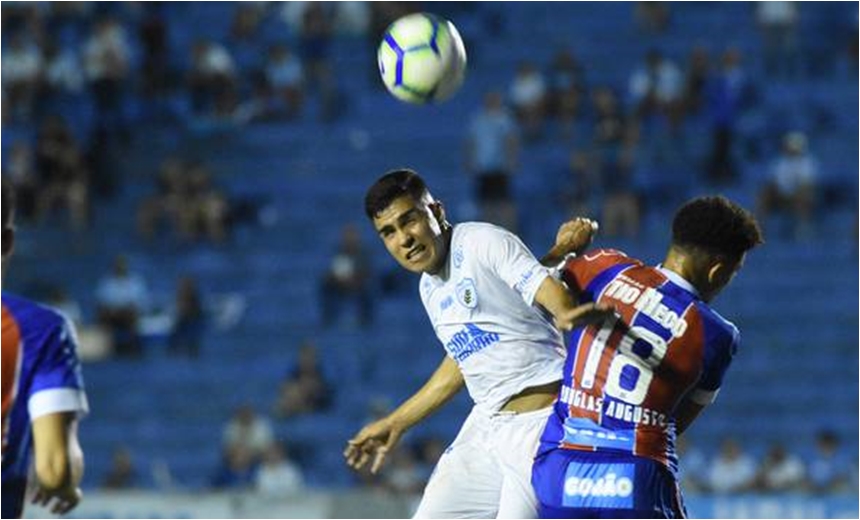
466 293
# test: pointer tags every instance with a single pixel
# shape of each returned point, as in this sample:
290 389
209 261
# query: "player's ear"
438 211
720 272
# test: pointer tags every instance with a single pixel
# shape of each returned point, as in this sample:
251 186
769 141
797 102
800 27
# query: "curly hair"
717 226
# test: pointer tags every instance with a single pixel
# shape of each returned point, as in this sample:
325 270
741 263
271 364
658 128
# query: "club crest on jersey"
466 293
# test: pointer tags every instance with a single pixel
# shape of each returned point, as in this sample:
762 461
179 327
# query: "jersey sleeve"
581 271
718 357
58 384
506 255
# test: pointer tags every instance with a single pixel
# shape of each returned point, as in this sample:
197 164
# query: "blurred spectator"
492 146
205 210
121 298
187 201
152 33
246 435
277 474
352 18
237 470
579 188
315 40
781 471
829 470
566 88
21 172
62 172
731 471
696 79
791 184
528 94
188 319
163 207
285 76
778 22
244 31
726 94
22 71
107 63
305 390
212 80
122 473
64 74
349 278
613 146
652 17
657 86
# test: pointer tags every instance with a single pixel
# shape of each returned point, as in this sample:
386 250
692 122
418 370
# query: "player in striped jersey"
634 383
43 396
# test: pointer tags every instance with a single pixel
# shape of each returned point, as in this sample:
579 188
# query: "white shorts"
486 472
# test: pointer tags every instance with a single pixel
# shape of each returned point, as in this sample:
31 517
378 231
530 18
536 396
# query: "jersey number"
632 367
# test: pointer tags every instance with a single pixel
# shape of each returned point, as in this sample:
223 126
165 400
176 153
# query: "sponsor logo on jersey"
466 293
446 302
469 340
524 280
648 301
595 485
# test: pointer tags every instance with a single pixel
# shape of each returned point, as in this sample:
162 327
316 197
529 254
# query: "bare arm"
686 414
554 297
59 461
376 439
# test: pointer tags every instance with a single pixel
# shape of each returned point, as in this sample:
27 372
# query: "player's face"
412 234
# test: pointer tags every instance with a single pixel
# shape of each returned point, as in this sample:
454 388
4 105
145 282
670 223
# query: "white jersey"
480 306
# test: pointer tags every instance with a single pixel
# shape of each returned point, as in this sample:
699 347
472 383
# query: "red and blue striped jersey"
41 375
624 380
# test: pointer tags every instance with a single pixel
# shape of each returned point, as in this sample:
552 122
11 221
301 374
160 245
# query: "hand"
374 441
65 499
574 236
587 314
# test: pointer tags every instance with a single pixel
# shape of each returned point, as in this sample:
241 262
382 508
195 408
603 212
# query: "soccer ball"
422 58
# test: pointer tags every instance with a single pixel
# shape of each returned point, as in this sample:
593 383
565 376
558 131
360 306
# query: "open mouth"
415 252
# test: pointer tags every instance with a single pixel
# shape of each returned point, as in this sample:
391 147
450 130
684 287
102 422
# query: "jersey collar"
678 280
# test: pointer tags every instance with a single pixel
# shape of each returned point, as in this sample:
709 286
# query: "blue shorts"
584 484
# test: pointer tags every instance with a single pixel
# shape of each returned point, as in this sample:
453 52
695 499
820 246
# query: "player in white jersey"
480 287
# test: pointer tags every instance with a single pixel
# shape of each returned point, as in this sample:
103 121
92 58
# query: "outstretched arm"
375 440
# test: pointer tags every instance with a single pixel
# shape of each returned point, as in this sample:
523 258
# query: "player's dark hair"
393 185
717 226
8 203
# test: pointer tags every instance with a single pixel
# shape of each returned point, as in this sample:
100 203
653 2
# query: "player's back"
624 380
41 375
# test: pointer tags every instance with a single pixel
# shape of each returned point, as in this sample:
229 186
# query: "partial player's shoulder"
470 232
608 256
718 330
32 315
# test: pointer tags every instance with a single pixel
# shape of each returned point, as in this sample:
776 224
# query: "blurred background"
190 180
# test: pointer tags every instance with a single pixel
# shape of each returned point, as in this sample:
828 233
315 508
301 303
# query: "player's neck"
681 264
442 267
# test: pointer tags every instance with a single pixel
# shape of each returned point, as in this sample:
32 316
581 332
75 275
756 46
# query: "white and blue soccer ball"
422 58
